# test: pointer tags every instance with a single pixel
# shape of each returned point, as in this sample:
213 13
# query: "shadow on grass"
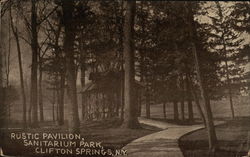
233 139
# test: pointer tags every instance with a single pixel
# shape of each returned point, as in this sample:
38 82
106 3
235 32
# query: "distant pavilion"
103 96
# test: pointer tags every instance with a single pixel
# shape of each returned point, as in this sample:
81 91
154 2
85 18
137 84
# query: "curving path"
163 143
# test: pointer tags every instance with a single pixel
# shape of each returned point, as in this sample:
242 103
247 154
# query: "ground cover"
233 140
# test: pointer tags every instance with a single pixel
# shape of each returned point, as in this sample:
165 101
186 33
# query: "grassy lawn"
233 140
232 136
111 135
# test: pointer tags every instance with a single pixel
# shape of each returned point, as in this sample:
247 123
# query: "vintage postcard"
85 78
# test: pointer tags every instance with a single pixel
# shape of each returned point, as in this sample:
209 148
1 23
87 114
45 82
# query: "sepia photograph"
113 78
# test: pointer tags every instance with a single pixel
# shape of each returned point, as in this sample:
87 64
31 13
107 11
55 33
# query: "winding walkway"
163 143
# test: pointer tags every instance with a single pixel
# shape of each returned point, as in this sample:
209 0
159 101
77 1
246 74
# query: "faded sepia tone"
142 78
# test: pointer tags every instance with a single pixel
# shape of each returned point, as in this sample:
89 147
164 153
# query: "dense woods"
81 61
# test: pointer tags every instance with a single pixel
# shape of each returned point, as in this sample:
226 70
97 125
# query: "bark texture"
130 108
34 48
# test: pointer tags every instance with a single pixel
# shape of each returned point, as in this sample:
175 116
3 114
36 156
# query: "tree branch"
42 20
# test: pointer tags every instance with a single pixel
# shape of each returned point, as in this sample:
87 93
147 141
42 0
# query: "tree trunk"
189 100
57 102
7 69
82 64
130 116
14 30
61 100
29 115
122 101
212 139
34 48
1 79
190 111
116 96
69 38
226 64
122 94
1 61
164 110
88 102
2 90
182 98
40 92
208 112
196 99
97 104
53 105
140 103
176 112
147 92
228 82
7 61
84 105
182 110
147 105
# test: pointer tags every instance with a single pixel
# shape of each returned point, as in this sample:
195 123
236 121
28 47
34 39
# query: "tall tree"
226 41
83 69
182 84
15 33
2 104
130 115
34 64
40 81
143 24
68 45
212 139
84 19
241 23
